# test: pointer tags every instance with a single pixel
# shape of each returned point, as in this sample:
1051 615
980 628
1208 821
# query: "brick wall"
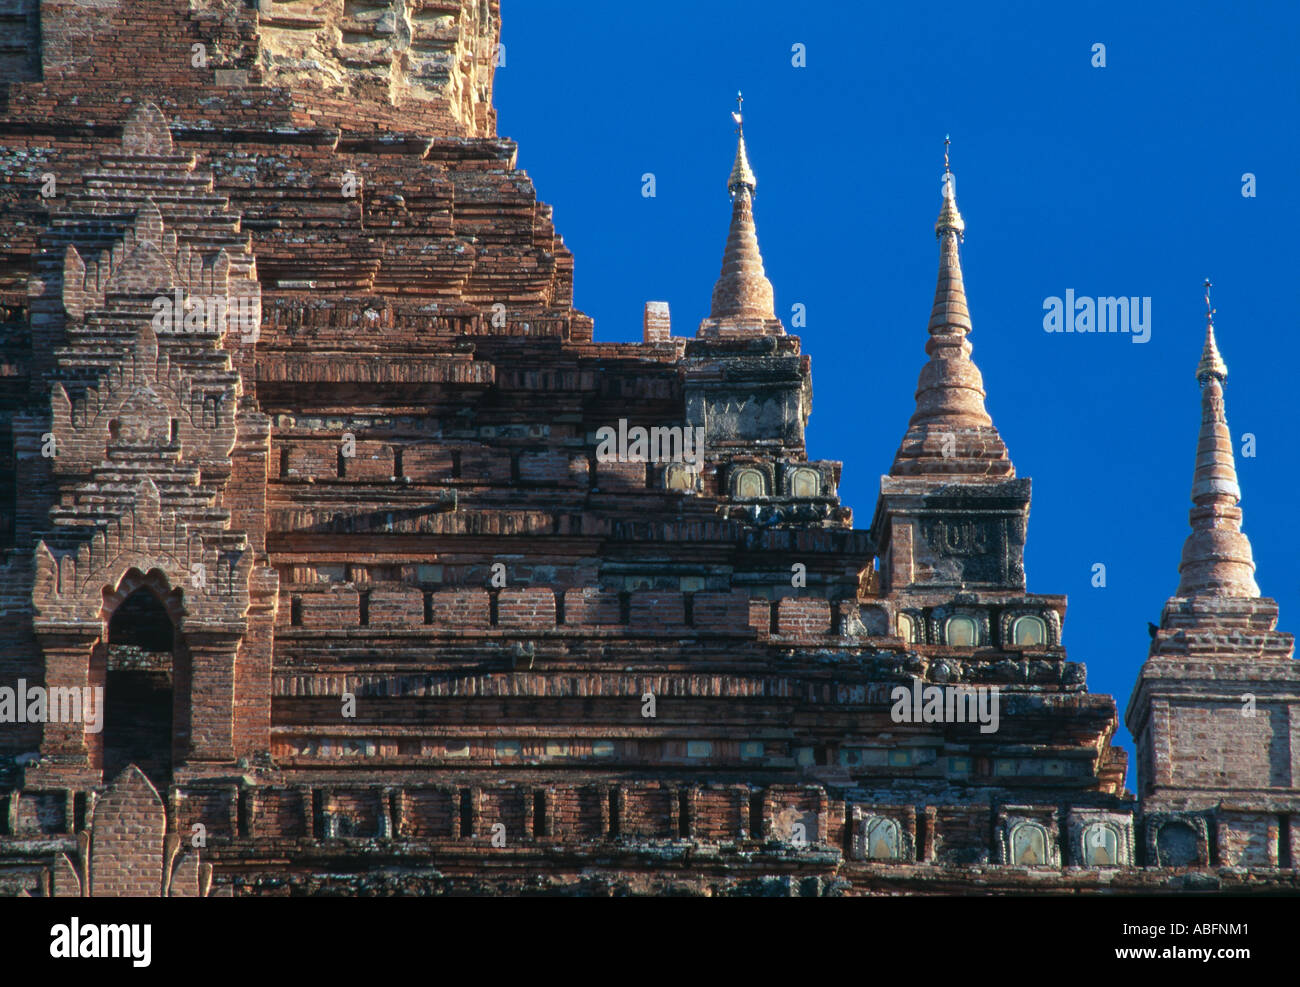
787 807
336 607
614 477
356 812
529 607
373 462
962 834
428 463
280 813
512 807
461 608
1258 754
1247 839
591 606
720 815
650 811
430 813
485 465
722 611
578 813
396 607
653 610
308 458
126 853
214 809
552 469
803 617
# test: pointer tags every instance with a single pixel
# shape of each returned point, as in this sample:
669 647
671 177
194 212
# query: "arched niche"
143 667
1028 844
748 484
1177 845
1101 845
1029 631
805 483
680 477
908 629
881 839
961 631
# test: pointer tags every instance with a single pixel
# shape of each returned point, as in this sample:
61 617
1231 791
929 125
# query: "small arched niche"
907 628
960 632
1177 845
748 484
1029 631
881 839
805 483
1029 845
1100 846
680 477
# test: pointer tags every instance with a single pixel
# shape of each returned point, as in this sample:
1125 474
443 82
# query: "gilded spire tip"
949 220
1211 365
742 175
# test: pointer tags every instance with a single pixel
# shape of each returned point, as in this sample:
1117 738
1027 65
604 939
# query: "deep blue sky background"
1123 180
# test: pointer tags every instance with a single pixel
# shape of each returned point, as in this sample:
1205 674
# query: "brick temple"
303 489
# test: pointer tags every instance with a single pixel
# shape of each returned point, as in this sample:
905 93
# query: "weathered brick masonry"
299 462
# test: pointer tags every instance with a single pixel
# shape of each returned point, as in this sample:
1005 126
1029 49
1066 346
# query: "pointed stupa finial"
949 220
1211 364
742 176
742 297
1217 558
951 432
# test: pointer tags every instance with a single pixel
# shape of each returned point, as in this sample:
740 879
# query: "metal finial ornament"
950 220
742 176
1211 365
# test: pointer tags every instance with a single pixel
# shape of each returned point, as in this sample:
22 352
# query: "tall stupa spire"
742 297
951 432
1217 558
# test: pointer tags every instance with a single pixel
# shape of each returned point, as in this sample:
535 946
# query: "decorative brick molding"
127 853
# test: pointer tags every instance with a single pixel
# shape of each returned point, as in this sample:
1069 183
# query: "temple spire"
1217 558
1211 364
742 297
951 432
742 176
949 220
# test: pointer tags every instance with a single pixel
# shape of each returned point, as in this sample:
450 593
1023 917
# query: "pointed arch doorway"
142 665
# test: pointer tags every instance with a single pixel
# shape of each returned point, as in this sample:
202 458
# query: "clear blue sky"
1122 180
